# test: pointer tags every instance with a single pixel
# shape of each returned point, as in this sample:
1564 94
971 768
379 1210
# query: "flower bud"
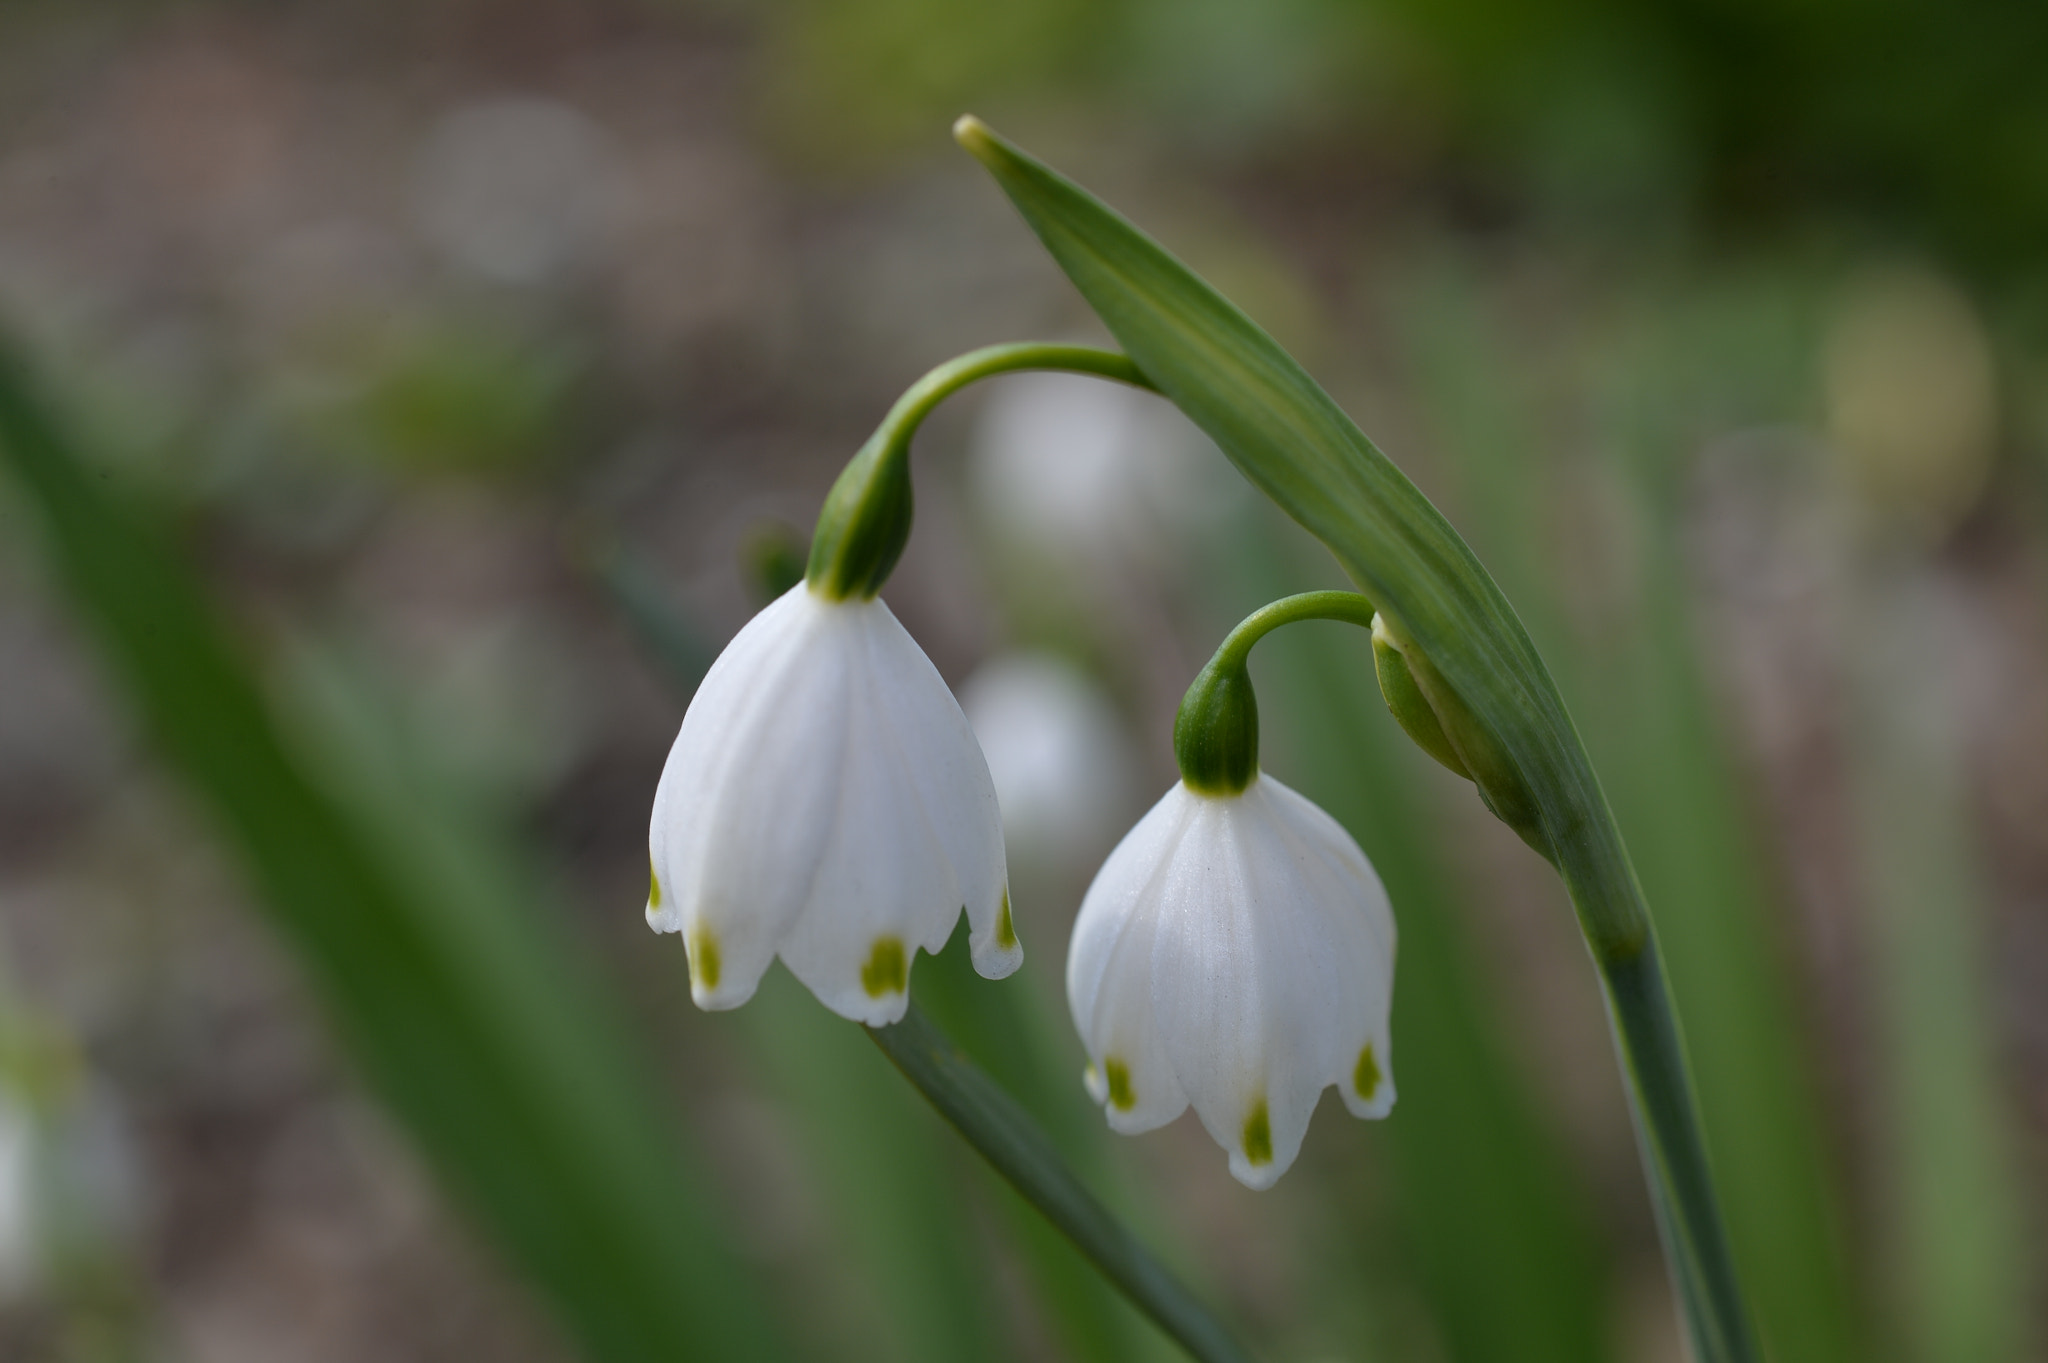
1405 699
1441 724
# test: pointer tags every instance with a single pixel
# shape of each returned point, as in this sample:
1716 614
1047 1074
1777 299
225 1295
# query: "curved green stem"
949 378
1350 607
865 521
1216 732
1008 1138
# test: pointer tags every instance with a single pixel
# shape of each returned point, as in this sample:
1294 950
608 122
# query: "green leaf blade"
465 1010
1294 443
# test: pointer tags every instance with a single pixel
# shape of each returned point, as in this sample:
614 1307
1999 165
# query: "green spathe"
1216 732
865 521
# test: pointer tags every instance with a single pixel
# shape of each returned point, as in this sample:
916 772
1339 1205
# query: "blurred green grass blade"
1297 446
892 1187
1011 1141
1956 1262
470 1018
999 1030
630 583
1665 762
1000 1025
1491 1212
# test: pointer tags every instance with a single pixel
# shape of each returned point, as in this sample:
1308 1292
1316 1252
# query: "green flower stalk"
1471 663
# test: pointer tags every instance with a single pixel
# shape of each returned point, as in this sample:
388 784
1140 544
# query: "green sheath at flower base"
866 518
865 522
1216 732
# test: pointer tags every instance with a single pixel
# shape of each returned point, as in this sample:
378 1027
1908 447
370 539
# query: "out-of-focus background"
486 356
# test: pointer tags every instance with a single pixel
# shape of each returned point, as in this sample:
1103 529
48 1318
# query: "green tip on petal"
704 958
1366 1078
653 885
1121 1097
1258 1136
1006 931
886 971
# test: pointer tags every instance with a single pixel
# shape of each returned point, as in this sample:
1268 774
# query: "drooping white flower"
825 801
1235 952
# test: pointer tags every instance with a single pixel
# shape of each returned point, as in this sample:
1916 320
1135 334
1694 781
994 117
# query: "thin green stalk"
1349 607
1494 1223
1459 635
1010 1140
927 393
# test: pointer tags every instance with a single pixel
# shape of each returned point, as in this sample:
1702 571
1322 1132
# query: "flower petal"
1213 992
1339 949
883 885
741 812
1110 973
950 779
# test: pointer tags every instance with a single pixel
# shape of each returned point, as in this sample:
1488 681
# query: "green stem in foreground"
865 521
1008 1138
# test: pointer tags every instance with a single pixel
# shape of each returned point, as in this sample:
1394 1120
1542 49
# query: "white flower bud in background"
825 802
1066 465
70 1187
17 1193
1057 751
1236 952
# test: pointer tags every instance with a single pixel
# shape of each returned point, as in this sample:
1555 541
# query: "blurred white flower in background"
519 190
825 802
1057 752
17 1197
1236 953
1067 464
70 1189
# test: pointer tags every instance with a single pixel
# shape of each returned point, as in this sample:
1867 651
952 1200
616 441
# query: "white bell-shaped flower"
1235 952
825 801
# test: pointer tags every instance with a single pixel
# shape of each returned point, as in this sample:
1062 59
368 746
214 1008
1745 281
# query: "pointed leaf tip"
975 136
